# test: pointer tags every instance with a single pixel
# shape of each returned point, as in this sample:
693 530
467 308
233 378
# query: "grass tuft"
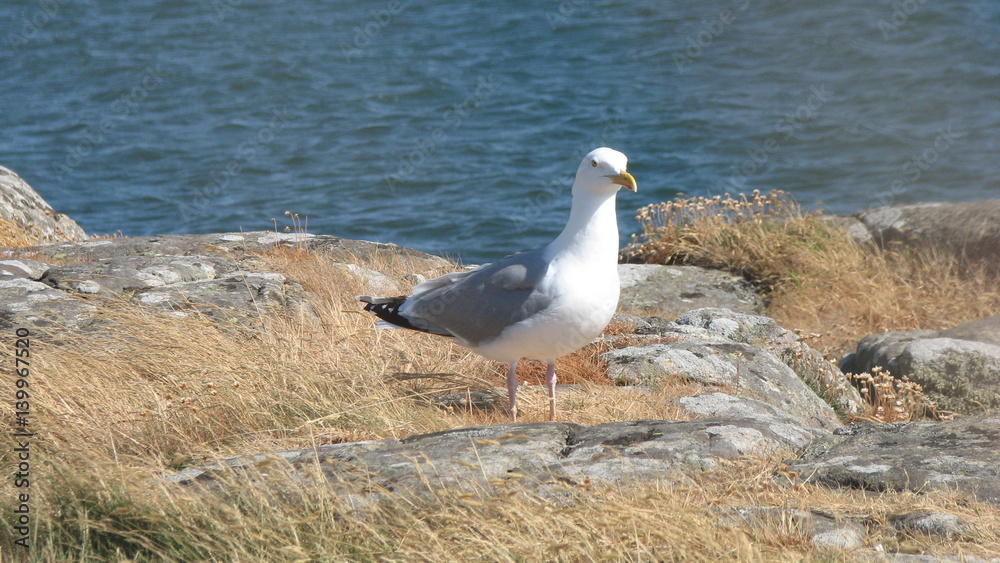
13 235
814 277
894 400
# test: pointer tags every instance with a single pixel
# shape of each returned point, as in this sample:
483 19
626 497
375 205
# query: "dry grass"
110 515
154 392
814 277
150 393
13 235
894 400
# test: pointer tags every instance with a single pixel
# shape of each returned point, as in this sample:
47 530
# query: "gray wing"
480 304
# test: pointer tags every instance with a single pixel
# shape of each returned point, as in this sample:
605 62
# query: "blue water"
455 127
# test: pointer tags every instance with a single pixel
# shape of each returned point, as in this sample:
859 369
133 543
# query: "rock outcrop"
822 529
716 362
541 456
22 205
215 274
970 230
959 368
670 291
821 375
554 460
962 455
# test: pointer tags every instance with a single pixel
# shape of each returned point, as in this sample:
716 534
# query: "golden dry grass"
888 399
13 235
150 393
814 277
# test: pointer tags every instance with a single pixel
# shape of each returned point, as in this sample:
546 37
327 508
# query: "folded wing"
475 306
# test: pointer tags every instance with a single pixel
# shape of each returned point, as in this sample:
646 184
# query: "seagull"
541 304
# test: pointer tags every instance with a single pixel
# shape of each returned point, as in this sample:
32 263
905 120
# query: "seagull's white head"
602 172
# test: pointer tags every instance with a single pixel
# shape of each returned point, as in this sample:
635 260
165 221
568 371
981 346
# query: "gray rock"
854 227
654 289
882 350
985 330
720 405
969 230
630 323
543 457
121 274
931 523
959 368
724 405
843 532
650 364
733 367
374 282
959 375
843 537
24 302
963 454
752 329
234 297
822 529
22 205
23 268
414 279
215 274
816 371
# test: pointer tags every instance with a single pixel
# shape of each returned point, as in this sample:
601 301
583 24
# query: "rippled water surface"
455 127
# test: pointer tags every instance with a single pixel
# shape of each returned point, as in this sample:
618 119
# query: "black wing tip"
387 309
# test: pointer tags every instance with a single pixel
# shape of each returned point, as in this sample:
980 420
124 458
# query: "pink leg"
550 382
512 390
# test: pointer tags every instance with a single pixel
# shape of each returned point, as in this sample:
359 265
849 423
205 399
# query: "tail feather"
387 309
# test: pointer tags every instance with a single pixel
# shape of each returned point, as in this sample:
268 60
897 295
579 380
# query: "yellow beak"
624 179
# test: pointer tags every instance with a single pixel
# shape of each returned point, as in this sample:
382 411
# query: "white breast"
584 302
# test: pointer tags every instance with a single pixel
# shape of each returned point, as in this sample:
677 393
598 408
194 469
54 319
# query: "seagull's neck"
592 230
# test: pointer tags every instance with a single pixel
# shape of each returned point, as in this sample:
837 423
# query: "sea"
456 127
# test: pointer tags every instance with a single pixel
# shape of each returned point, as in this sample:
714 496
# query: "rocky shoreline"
770 393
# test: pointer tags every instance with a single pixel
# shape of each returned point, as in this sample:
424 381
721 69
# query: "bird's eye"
593 163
